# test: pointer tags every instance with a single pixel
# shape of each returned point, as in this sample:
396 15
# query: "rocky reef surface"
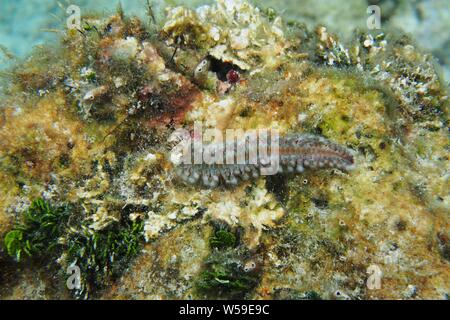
86 179
26 23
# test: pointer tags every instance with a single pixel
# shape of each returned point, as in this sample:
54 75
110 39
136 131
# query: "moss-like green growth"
229 272
42 225
14 243
270 13
222 239
102 256
226 277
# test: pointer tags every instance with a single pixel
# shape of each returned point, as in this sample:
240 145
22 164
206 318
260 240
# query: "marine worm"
297 152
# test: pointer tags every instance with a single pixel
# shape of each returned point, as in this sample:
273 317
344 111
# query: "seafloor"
88 182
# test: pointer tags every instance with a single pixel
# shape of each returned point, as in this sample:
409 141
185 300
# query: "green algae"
222 239
47 233
103 256
224 276
38 233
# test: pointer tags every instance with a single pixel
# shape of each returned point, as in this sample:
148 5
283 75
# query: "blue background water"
26 23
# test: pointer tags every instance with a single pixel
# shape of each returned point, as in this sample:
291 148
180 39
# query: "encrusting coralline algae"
86 126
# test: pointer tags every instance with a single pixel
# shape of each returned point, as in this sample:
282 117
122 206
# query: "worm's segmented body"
296 154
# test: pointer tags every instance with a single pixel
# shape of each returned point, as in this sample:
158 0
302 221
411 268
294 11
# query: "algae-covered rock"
90 126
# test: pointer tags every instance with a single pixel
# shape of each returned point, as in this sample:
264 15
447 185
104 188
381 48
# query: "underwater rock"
89 124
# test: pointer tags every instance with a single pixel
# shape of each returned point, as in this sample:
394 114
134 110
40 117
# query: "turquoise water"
27 23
